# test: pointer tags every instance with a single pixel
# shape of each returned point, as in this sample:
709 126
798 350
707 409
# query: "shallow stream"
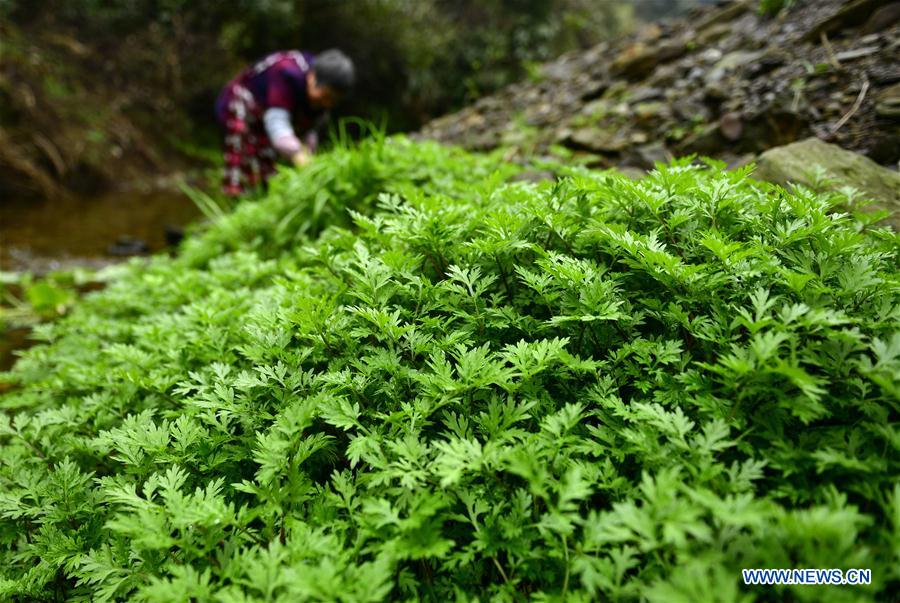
63 234
43 236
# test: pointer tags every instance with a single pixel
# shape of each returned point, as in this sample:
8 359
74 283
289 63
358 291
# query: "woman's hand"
301 158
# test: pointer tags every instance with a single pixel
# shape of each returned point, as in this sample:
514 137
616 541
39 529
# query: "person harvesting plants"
256 110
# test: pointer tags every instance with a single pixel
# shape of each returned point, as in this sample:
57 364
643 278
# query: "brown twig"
798 94
832 58
52 153
855 107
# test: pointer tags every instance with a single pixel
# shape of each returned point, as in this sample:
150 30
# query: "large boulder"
796 163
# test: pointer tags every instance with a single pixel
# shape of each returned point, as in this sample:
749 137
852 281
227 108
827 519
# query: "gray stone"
729 12
651 112
648 155
731 125
713 33
533 176
794 163
716 91
559 70
732 61
596 140
706 141
850 14
692 109
710 55
638 138
639 59
889 102
591 89
883 18
889 109
756 86
645 94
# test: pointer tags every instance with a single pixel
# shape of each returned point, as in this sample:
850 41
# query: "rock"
794 163
484 142
648 155
596 140
755 86
885 74
125 246
710 55
639 60
616 91
474 120
732 61
706 140
650 113
716 91
889 108
649 33
884 148
692 109
771 128
771 60
851 14
671 50
533 176
174 235
666 75
596 109
731 125
634 60
753 32
540 114
882 18
592 89
741 161
727 13
888 104
713 33
559 70
645 94
695 74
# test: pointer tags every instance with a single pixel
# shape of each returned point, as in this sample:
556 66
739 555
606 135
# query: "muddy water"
40 237
12 340
59 234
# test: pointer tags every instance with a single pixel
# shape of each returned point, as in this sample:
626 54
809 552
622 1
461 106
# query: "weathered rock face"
889 103
797 162
726 82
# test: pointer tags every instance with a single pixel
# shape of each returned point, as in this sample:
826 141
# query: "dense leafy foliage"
404 375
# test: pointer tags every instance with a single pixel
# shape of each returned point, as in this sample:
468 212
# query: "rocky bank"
727 82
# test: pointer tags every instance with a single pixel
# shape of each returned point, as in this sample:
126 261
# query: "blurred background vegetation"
99 94
417 58
98 89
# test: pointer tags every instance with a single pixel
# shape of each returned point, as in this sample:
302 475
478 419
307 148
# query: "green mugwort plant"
403 374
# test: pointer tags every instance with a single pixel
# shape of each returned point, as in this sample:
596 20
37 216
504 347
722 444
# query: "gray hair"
334 69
